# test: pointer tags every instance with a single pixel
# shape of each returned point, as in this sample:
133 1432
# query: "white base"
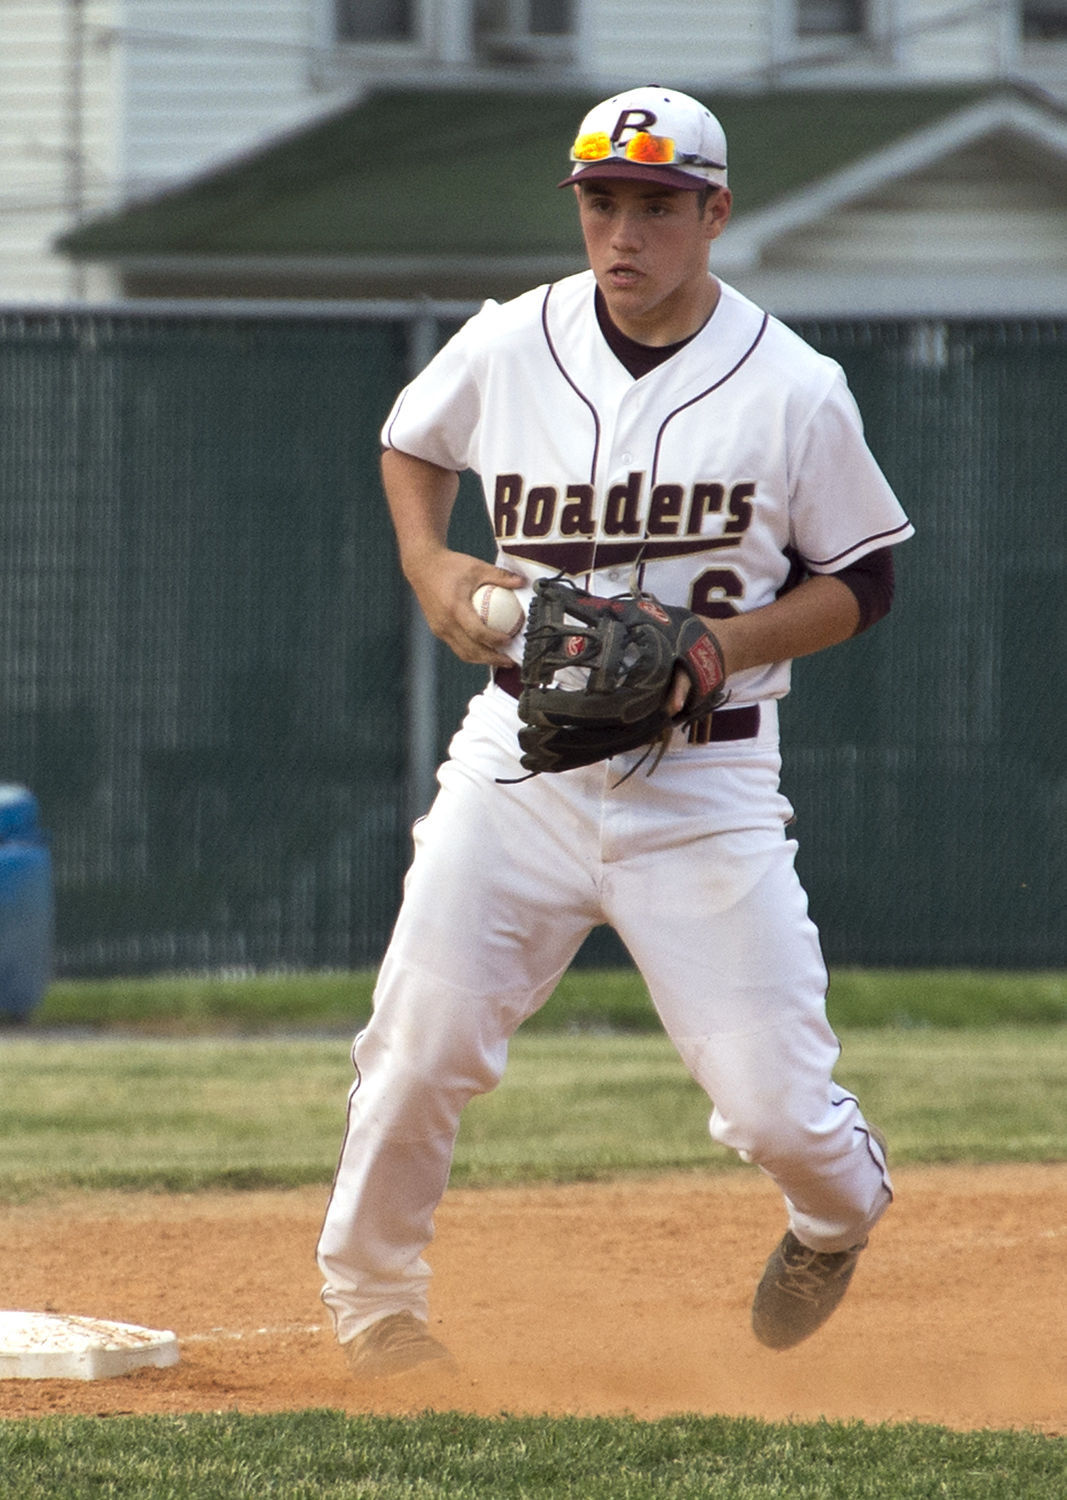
45 1346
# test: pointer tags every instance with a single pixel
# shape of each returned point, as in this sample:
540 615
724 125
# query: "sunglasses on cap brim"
642 146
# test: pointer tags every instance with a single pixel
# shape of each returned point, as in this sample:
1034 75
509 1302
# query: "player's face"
648 249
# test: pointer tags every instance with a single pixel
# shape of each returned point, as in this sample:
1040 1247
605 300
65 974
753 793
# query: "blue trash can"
27 916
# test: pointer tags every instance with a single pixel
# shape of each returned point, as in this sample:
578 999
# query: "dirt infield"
599 1298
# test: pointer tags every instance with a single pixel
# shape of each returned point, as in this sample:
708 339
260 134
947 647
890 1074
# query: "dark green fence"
928 759
210 678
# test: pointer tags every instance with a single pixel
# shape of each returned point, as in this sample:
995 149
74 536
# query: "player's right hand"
443 585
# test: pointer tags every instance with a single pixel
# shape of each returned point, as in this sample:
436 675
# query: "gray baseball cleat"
799 1290
393 1346
801 1287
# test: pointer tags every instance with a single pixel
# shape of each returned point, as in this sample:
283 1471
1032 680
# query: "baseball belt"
723 724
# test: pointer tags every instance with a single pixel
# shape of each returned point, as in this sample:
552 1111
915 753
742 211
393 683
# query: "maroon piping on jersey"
827 563
392 424
700 397
580 394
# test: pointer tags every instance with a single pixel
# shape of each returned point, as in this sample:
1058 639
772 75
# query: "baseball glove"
597 673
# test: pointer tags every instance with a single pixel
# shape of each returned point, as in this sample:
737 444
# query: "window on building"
375 20
831 17
524 33
519 18
541 28
550 17
1045 20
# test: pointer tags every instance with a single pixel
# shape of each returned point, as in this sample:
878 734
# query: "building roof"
451 194
465 172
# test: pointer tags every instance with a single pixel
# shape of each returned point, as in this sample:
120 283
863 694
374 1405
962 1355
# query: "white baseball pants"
692 868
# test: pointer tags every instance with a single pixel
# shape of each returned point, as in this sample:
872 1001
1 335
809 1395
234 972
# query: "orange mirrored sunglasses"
642 146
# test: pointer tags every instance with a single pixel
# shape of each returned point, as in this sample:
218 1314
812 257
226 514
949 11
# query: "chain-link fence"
212 677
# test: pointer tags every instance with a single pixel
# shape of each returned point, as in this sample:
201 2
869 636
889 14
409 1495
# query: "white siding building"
104 102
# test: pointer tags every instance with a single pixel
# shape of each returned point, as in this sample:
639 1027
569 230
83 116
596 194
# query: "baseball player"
641 425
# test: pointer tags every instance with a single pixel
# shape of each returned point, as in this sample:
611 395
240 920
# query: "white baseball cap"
650 134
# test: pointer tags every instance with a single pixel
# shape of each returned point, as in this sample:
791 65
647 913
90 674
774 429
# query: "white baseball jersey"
699 480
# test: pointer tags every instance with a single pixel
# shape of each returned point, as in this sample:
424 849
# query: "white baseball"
498 608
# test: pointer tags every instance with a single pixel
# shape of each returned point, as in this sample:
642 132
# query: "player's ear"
717 212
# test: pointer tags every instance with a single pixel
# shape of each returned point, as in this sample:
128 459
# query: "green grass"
586 999
168 1115
964 998
324 1455
216 1002
186 1083
183 1114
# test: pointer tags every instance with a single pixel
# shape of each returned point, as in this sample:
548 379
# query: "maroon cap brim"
635 171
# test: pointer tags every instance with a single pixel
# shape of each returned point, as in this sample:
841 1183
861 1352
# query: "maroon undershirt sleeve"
871 580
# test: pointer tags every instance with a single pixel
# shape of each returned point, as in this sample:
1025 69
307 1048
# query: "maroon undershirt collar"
637 358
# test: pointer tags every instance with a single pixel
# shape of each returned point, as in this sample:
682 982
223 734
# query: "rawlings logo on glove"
597 675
